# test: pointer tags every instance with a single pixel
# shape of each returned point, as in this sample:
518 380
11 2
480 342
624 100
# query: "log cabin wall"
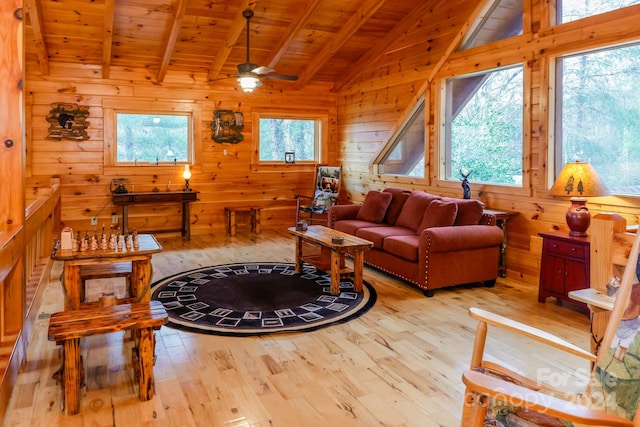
371 107
222 173
362 115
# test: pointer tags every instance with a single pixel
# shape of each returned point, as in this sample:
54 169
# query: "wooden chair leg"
72 376
143 362
474 410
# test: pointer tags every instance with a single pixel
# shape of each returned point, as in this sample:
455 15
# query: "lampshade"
187 176
187 173
578 180
248 82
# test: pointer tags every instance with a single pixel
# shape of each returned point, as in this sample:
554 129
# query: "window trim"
440 150
111 107
321 118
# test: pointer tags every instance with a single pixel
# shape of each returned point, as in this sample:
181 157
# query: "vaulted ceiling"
328 41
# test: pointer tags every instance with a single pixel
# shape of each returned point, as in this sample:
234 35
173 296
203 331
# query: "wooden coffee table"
331 258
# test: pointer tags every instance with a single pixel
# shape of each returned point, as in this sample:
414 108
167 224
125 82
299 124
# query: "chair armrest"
530 332
540 402
461 237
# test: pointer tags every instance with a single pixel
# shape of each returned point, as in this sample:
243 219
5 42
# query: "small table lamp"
578 180
187 176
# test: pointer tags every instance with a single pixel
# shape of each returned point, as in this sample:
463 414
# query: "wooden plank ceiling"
317 40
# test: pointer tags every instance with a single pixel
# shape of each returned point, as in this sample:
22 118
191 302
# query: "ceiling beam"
178 16
294 28
379 48
362 15
232 38
107 37
34 9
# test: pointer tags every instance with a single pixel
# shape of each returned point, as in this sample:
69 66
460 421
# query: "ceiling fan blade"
222 78
280 77
262 70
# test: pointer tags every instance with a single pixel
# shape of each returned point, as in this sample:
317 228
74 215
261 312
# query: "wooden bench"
67 327
254 216
106 271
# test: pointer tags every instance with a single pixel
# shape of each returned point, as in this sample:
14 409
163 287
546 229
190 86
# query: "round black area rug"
258 298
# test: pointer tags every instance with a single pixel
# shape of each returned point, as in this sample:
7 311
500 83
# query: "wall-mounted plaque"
227 126
68 121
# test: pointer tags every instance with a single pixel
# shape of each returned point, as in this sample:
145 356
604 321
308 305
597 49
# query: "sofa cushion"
414 208
377 235
469 211
399 197
439 213
403 246
351 226
374 207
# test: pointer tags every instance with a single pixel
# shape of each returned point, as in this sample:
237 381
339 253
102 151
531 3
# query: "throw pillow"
413 210
469 211
439 213
374 207
399 196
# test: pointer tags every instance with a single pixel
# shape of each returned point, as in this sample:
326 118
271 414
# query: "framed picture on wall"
289 157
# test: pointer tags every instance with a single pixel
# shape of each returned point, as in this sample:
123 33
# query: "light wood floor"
398 365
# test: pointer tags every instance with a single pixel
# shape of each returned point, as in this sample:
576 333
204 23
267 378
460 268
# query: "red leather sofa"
424 239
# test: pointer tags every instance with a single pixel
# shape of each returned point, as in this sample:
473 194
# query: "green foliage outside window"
598 115
278 136
485 135
151 138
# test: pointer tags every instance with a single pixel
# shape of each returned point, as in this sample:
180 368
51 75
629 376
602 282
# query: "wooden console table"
184 197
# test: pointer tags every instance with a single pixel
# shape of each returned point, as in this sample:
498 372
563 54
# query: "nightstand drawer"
567 249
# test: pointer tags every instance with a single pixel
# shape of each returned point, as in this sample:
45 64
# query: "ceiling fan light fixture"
248 83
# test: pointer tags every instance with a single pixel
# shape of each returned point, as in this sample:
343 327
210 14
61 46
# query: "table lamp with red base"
578 180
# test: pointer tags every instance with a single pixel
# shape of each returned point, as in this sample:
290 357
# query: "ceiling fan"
249 74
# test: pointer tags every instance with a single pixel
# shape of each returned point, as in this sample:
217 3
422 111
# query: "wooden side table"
501 221
564 266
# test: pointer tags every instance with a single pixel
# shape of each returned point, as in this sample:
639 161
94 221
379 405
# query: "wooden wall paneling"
363 101
221 178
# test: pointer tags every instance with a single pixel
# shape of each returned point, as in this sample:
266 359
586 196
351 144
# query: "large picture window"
483 126
598 114
286 138
150 133
153 138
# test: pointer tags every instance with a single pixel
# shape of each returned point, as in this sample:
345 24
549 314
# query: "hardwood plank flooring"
398 365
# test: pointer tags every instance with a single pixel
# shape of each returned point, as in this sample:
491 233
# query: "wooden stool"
105 271
254 213
67 327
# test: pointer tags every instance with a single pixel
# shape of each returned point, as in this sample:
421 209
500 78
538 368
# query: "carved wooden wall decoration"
227 126
68 121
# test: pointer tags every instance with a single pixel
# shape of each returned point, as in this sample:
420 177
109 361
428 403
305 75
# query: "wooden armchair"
314 209
497 396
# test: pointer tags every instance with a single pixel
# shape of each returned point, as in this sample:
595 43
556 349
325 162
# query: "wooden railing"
42 217
24 265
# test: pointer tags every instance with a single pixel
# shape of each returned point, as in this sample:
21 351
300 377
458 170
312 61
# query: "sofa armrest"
341 212
462 237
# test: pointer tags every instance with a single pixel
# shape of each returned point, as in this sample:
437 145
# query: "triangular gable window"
501 20
404 154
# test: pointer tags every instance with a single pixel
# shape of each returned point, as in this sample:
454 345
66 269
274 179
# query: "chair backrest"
327 188
615 383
